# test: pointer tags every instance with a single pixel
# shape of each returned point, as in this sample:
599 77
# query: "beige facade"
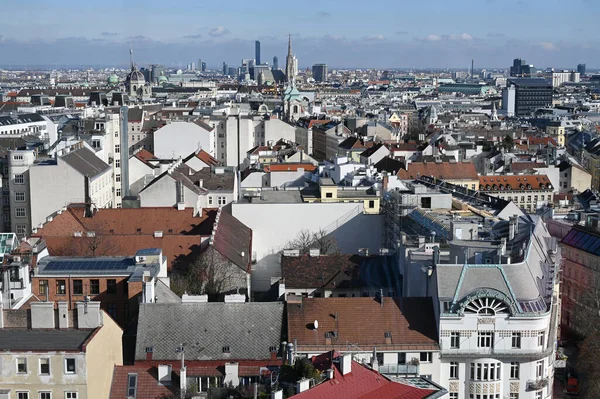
103 352
60 374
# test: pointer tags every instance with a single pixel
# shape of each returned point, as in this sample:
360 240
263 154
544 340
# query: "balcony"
536 385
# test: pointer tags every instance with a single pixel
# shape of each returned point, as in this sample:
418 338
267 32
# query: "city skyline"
404 36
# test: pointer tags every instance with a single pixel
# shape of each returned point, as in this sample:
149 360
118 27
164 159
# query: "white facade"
497 312
54 186
346 222
245 133
178 139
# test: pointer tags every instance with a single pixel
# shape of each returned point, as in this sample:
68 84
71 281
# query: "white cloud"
466 36
218 31
548 46
375 37
433 38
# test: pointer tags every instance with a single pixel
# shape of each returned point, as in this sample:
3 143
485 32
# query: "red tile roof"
364 383
523 166
363 321
207 158
233 240
147 376
144 155
287 167
117 232
514 183
442 170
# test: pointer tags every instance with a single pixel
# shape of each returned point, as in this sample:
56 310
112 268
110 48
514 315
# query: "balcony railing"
536 385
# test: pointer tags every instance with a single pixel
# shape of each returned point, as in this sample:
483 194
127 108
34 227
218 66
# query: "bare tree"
95 240
306 240
209 273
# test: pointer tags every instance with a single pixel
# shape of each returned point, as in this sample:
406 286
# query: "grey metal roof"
529 82
20 118
523 280
248 329
86 162
43 340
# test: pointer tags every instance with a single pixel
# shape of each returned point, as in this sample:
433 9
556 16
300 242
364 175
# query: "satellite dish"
316 324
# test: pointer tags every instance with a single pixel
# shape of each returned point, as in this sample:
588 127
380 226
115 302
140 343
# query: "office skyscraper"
275 63
257 52
581 69
319 72
225 68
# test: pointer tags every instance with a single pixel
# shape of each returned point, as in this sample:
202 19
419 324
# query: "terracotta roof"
352 143
287 167
364 322
340 271
442 170
147 376
523 166
541 140
403 146
514 183
233 240
361 382
182 231
144 155
207 158
317 122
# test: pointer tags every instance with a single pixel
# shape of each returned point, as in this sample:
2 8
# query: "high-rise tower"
289 62
257 52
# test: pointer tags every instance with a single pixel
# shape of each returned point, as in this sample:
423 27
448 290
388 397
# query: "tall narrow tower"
257 52
289 62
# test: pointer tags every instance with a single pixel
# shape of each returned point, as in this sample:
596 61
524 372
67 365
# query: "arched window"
486 306
295 109
134 88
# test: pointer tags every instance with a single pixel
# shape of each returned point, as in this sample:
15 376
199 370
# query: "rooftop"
363 321
43 340
211 331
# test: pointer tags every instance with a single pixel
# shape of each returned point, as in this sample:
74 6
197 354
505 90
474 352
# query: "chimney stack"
346 364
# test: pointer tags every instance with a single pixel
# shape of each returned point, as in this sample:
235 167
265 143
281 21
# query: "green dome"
113 79
162 79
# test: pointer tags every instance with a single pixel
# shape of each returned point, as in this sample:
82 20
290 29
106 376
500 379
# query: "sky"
342 34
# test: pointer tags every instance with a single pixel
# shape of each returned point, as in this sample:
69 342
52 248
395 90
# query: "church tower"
289 62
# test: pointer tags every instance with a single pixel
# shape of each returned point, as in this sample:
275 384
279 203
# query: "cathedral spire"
289 45
131 56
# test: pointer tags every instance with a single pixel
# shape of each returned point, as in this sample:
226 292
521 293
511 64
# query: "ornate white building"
497 306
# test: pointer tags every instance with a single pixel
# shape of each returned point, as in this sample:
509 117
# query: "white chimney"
277 394
346 364
63 315
231 374
186 298
42 315
302 385
330 374
149 292
182 380
235 298
164 374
